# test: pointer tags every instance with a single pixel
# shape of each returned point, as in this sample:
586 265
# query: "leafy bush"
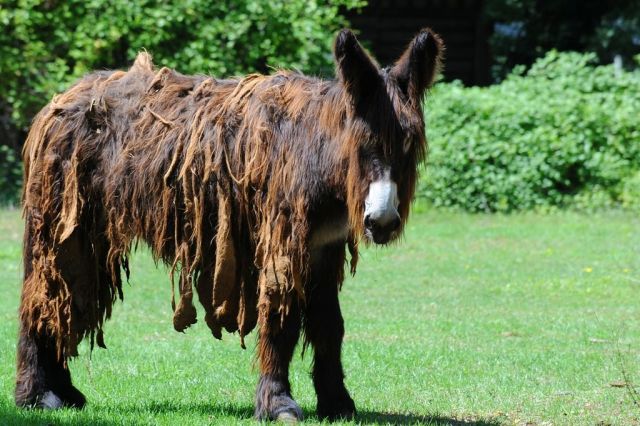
630 194
538 139
10 175
45 45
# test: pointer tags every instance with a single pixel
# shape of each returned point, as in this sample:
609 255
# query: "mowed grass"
486 320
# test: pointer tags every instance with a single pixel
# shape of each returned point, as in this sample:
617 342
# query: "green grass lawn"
523 319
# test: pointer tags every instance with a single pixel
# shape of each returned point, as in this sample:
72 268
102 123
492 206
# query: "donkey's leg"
324 329
276 343
42 380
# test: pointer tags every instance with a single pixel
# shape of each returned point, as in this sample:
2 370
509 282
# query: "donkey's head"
385 133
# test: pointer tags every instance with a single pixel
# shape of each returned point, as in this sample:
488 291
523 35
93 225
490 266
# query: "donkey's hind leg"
43 379
324 330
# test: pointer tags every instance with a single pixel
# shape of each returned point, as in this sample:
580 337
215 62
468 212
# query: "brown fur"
220 177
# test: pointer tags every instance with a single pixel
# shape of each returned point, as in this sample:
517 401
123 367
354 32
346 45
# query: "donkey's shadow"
364 417
237 411
373 417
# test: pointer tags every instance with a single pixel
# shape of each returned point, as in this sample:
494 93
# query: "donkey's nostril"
367 221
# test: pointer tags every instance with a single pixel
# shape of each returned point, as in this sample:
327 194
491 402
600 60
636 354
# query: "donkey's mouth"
380 232
379 238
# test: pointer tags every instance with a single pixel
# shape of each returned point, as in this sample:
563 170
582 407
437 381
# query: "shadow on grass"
372 417
10 416
230 409
365 417
140 413
135 414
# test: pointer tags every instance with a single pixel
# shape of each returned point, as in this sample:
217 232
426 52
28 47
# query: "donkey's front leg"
324 329
277 341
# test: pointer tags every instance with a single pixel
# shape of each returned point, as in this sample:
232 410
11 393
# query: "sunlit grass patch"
471 319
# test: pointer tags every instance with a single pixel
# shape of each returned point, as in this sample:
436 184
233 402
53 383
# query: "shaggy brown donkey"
250 189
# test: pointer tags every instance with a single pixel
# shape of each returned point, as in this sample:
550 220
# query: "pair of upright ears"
415 70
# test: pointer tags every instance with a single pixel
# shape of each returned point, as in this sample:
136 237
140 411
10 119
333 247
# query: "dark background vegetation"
553 129
524 30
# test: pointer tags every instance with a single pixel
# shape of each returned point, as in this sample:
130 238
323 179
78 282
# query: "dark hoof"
49 400
73 398
280 407
339 409
274 402
288 418
286 409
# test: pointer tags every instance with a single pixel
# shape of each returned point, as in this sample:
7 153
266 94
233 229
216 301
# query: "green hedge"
564 133
10 175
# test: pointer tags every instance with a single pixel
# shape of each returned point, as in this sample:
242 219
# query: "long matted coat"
241 186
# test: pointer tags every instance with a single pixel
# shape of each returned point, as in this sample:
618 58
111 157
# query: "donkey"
250 189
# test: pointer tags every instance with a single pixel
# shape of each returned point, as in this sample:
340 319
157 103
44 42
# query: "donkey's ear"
417 68
354 68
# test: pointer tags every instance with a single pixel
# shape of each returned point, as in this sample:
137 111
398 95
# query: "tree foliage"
47 44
